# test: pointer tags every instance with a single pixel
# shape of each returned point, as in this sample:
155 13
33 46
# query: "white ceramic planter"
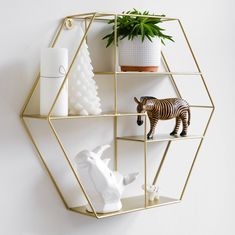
135 55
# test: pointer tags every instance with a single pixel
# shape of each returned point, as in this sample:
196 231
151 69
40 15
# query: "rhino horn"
130 178
100 149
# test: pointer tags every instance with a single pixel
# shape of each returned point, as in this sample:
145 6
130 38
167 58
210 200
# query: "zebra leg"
183 117
153 123
177 125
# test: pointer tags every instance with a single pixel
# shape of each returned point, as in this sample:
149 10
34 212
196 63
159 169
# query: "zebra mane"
146 97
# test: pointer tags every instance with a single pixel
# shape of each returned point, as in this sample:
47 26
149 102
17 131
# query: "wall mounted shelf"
159 138
153 74
135 203
130 204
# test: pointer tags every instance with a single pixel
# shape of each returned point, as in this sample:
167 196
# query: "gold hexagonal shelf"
132 203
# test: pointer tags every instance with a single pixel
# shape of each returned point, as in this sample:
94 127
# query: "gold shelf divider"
133 203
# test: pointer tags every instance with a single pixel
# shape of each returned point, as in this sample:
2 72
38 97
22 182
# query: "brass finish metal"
129 205
152 74
115 95
161 163
37 116
44 162
71 165
195 60
195 157
171 76
82 16
201 106
159 138
145 162
69 23
133 203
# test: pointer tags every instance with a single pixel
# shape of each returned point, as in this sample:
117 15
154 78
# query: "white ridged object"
83 99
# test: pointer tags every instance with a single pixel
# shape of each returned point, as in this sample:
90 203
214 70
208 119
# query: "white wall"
29 203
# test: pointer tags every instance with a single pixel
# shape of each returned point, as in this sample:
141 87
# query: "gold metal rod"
71 166
86 30
133 140
209 120
115 92
153 74
195 158
103 73
171 77
82 212
78 15
80 116
158 73
195 60
115 143
163 18
205 85
70 67
145 162
44 162
149 16
30 95
115 63
58 34
201 106
35 116
161 163
208 93
130 114
190 171
99 14
38 76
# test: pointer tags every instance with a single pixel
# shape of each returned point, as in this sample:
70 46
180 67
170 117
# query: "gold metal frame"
134 203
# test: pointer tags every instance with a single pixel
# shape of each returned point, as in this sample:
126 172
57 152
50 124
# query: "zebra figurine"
164 109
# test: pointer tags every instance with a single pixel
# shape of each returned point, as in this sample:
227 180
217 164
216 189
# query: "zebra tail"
189 116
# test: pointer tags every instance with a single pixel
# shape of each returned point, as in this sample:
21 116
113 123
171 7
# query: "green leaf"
133 26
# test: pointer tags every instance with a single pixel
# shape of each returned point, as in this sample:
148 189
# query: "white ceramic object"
152 192
53 68
135 53
83 95
103 186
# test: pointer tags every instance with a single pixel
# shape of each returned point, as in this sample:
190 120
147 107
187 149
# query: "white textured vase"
135 55
83 94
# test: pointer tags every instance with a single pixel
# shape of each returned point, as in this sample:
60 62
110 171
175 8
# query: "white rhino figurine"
103 186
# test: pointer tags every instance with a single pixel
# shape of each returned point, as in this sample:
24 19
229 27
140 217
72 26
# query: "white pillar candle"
53 68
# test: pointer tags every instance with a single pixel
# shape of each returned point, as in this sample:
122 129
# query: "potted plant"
139 41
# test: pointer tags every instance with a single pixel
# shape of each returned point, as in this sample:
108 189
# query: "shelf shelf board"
35 116
129 204
44 117
159 138
148 73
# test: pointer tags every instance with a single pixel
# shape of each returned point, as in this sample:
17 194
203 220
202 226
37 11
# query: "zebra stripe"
164 109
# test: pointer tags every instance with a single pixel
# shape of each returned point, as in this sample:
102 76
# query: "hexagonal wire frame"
90 17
